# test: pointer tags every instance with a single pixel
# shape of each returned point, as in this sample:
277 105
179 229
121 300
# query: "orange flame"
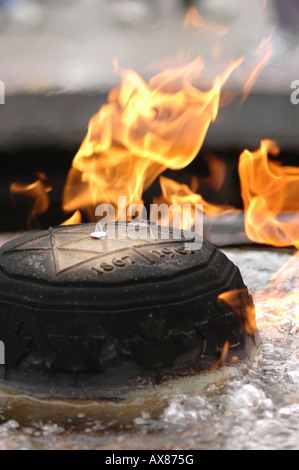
270 193
144 129
32 198
280 300
174 193
195 19
234 298
265 51
76 218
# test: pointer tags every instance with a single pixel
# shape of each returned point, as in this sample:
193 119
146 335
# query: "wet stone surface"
251 405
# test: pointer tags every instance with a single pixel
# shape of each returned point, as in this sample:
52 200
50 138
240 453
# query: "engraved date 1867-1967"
127 260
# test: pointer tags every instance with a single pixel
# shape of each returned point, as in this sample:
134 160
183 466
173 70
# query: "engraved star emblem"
70 248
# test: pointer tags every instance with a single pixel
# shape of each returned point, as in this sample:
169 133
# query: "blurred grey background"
56 62
69 45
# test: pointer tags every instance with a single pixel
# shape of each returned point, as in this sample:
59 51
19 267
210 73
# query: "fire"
264 53
195 19
280 300
149 126
233 299
32 199
144 129
270 193
76 218
174 193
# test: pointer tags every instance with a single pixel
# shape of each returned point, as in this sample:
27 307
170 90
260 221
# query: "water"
250 405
